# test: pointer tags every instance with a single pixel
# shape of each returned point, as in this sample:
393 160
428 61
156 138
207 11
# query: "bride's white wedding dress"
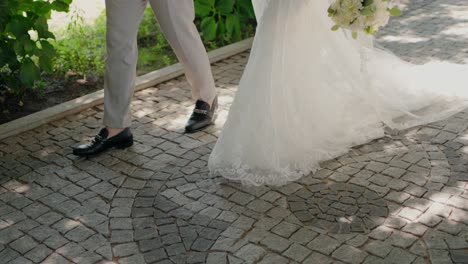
309 94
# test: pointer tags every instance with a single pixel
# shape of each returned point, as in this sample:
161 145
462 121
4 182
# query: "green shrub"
224 21
81 48
25 50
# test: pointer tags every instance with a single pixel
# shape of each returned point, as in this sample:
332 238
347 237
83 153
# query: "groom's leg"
123 20
176 20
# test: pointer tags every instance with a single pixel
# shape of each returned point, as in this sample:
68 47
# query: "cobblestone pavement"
400 200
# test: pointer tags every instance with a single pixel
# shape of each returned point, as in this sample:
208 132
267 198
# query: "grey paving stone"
56 258
259 206
275 242
241 198
439 256
285 229
121 223
419 248
175 249
358 240
217 258
398 197
49 218
381 233
120 212
380 180
303 236
318 258
35 210
349 254
8 254
21 202
149 244
297 252
55 241
373 259
121 236
136 259
71 250
273 259
20 260
409 213
324 244
459 256
395 222
339 177
93 219
202 244
456 242
243 222
250 253
87 258
155 255
171 238
105 251
449 226
123 250
394 172
378 248
402 239
9 234
166 229
79 233
23 244
415 229
38 254
398 255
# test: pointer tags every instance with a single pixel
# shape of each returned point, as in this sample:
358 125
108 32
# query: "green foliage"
224 21
25 49
154 50
81 47
28 48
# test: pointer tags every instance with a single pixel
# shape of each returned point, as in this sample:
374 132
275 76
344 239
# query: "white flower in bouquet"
348 11
361 15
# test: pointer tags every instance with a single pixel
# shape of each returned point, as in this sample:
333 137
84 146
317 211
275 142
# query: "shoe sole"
121 146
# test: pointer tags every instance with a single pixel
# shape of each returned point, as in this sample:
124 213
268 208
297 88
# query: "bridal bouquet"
361 15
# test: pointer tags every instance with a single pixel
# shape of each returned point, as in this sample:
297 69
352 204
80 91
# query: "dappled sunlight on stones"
156 202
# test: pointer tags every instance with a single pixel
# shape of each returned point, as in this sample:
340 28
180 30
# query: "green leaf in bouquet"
367 2
355 35
366 11
335 27
370 30
395 11
331 12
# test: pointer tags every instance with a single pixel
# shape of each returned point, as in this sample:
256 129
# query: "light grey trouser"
176 20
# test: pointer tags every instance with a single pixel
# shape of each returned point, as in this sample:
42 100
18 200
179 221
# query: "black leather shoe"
203 116
101 143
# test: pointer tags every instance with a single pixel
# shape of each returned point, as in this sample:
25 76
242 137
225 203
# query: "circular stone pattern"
339 207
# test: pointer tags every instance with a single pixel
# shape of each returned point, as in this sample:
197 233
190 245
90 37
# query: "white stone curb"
82 103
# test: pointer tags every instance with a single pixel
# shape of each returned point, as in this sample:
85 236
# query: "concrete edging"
90 100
